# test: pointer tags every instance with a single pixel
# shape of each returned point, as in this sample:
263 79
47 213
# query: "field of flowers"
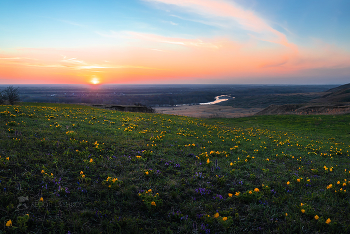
75 169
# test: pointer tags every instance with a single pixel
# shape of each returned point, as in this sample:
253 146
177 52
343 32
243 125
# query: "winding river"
218 99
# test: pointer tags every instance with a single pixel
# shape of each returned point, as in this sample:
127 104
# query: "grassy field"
78 169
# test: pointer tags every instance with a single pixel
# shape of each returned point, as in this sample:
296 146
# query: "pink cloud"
229 10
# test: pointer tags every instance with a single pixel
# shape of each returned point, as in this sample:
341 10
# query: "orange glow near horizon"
176 60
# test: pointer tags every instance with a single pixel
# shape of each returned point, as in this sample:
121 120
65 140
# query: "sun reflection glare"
95 80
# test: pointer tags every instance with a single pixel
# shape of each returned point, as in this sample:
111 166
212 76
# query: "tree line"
9 94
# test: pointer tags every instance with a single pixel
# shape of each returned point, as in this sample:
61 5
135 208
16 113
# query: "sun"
95 80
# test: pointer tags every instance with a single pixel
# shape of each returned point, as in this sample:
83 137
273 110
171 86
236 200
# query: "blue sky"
268 41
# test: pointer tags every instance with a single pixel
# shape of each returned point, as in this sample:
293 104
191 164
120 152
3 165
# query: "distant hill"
333 101
339 94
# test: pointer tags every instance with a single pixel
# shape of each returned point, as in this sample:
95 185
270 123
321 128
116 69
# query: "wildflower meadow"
79 169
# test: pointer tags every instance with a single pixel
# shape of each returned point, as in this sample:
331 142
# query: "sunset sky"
175 42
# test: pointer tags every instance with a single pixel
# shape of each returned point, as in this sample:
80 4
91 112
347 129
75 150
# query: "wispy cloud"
170 22
221 9
74 63
172 40
16 58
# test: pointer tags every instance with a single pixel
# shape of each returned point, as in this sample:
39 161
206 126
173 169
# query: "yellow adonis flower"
328 221
9 223
302 211
81 172
316 217
83 176
230 194
153 203
42 171
216 215
288 182
146 172
250 192
256 190
208 161
41 199
224 218
298 180
237 194
91 160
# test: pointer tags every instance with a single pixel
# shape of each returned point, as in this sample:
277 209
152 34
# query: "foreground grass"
74 169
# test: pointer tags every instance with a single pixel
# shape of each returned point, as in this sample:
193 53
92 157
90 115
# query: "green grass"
102 171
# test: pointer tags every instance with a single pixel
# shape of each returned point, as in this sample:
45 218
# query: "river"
218 99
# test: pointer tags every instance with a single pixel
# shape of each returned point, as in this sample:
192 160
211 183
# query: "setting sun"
95 80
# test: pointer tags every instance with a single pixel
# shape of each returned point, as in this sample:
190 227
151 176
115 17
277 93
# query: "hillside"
80 169
337 95
333 101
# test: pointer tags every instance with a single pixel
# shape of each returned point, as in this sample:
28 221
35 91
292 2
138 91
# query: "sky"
175 42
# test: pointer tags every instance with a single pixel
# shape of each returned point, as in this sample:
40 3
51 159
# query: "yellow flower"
153 203
302 211
208 161
328 221
42 171
216 215
81 172
224 218
230 194
41 199
267 159
146 172
9 223
8 158
301 204
250 192
237 194
231 164
329 186
149 190
91 160
286 214
256 190
316 217
114 180
338 182
344 184
288 182
298 180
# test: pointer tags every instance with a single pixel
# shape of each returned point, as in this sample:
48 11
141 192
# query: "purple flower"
203 191
218 197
